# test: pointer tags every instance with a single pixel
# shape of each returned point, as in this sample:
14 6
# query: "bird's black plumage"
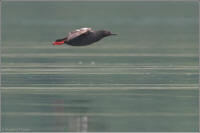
83 37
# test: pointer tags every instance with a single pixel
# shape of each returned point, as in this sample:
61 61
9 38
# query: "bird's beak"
113 34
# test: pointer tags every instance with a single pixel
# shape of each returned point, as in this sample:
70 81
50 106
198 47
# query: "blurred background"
144 79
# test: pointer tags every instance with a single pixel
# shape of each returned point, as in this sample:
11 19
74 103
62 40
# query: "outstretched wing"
79 32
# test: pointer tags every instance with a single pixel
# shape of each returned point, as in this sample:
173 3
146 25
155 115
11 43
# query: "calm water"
144 79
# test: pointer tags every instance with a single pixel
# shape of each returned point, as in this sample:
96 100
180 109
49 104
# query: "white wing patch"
83 29
78 32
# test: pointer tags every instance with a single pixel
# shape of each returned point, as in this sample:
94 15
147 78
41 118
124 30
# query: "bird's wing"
79 32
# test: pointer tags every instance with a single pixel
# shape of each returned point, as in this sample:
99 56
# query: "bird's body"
83 37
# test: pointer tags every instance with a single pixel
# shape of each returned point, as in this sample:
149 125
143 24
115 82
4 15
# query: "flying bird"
83 37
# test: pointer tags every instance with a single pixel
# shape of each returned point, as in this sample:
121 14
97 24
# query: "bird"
83 37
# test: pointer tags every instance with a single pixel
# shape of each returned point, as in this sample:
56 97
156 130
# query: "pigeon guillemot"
83 37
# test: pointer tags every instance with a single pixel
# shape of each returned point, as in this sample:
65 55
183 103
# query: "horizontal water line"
180 114
126 84
89 73
96 54
56 65
77 94
48 45
114 87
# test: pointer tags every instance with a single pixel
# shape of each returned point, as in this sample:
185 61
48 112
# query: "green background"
144 79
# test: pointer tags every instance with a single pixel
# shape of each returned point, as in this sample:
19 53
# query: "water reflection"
100 110
73 123
78 123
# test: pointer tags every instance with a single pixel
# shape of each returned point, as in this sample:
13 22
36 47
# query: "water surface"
144 79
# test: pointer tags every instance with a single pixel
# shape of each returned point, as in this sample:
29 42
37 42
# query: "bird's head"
106 33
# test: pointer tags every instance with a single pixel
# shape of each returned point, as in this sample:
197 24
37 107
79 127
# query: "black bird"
83 37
